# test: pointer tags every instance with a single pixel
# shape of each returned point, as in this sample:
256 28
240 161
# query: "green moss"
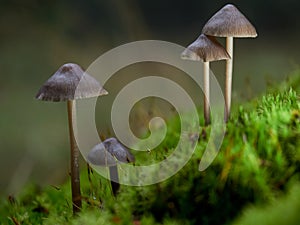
258 159
284 210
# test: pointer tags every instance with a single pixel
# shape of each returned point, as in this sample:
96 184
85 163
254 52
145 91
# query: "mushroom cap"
108 152
229 22
205 48
63 84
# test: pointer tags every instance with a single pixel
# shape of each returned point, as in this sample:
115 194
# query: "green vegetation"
256 172
284 210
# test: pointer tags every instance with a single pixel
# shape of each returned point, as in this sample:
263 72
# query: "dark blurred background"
36 37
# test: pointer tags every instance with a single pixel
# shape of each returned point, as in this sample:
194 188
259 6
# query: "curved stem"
228 82
75 179
206 93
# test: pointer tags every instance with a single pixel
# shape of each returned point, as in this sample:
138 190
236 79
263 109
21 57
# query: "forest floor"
253 180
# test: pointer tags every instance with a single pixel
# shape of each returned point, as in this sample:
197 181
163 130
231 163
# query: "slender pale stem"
114 179
206 93
228 81
75 179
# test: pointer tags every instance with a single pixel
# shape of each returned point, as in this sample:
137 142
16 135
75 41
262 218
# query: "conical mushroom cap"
99 156
109 152
118 150
205 48
229 22
63 84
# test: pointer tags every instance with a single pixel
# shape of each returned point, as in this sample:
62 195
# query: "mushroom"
229 22
62 87
207 49
108 153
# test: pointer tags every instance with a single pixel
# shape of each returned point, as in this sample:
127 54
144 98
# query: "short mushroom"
207 49
229 22
108 153
62 87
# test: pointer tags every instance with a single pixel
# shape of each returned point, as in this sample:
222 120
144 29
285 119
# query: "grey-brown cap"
70 82
229 22
205 48
109 152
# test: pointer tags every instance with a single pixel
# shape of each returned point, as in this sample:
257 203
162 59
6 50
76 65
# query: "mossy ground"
257 167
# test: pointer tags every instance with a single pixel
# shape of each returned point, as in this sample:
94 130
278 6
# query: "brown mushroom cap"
229 22
205 48
63 84
108 152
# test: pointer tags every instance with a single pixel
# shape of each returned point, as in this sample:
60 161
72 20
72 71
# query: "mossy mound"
259 157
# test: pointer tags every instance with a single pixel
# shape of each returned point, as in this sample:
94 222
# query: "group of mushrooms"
62 87
228 22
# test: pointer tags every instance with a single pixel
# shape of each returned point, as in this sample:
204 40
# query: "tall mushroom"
207 49
229 22
61 87
108 154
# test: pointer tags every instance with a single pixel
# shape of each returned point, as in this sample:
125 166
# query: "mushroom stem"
114 179
206 94
228 82
75 179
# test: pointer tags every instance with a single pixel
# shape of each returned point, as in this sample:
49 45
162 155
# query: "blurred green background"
37 37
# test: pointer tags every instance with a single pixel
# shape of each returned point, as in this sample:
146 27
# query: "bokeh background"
37 37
